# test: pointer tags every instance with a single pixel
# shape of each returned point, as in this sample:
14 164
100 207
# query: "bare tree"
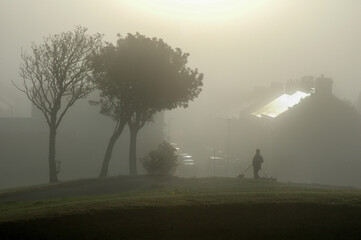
55 75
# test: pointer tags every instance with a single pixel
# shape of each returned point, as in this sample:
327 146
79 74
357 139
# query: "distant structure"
295 91
358 104
6 104
6 108
324 87
80 146
307 133
280 105
307 84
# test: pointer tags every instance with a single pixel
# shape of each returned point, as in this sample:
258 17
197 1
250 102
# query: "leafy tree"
55 75
138 77
115 95
162 161
162 80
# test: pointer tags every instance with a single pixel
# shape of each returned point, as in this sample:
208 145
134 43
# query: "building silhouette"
81 143
306 134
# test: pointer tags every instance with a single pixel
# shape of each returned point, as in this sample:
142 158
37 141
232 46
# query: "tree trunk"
133 150
52 163
108 154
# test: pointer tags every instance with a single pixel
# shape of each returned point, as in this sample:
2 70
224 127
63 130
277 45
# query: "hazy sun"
197 9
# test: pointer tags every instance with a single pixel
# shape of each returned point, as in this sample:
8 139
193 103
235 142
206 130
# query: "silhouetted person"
257 162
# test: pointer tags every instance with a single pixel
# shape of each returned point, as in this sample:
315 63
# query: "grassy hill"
175 208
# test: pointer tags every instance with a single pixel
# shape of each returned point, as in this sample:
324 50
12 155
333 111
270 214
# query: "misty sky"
237 45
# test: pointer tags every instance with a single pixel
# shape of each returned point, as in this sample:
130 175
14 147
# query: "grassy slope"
126 207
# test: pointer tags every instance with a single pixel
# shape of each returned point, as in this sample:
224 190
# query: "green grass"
174 208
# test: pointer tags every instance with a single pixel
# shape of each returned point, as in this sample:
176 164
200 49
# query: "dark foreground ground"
173 208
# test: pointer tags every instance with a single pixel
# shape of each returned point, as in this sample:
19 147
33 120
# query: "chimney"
324 87
307 83
358 106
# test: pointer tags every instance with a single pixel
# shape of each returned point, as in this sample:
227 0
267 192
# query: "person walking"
257 162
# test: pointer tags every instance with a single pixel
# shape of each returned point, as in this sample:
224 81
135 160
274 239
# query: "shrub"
161 161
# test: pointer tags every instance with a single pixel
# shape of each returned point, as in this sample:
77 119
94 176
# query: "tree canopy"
140 76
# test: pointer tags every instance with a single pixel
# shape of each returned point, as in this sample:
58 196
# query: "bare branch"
58 72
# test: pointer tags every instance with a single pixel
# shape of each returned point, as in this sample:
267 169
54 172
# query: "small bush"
161 161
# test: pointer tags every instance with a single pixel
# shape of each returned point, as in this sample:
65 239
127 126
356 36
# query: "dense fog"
250 52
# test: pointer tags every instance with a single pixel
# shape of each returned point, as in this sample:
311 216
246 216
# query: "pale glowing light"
281 104
197 9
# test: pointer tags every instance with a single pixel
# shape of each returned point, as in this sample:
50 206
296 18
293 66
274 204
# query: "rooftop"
280 104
